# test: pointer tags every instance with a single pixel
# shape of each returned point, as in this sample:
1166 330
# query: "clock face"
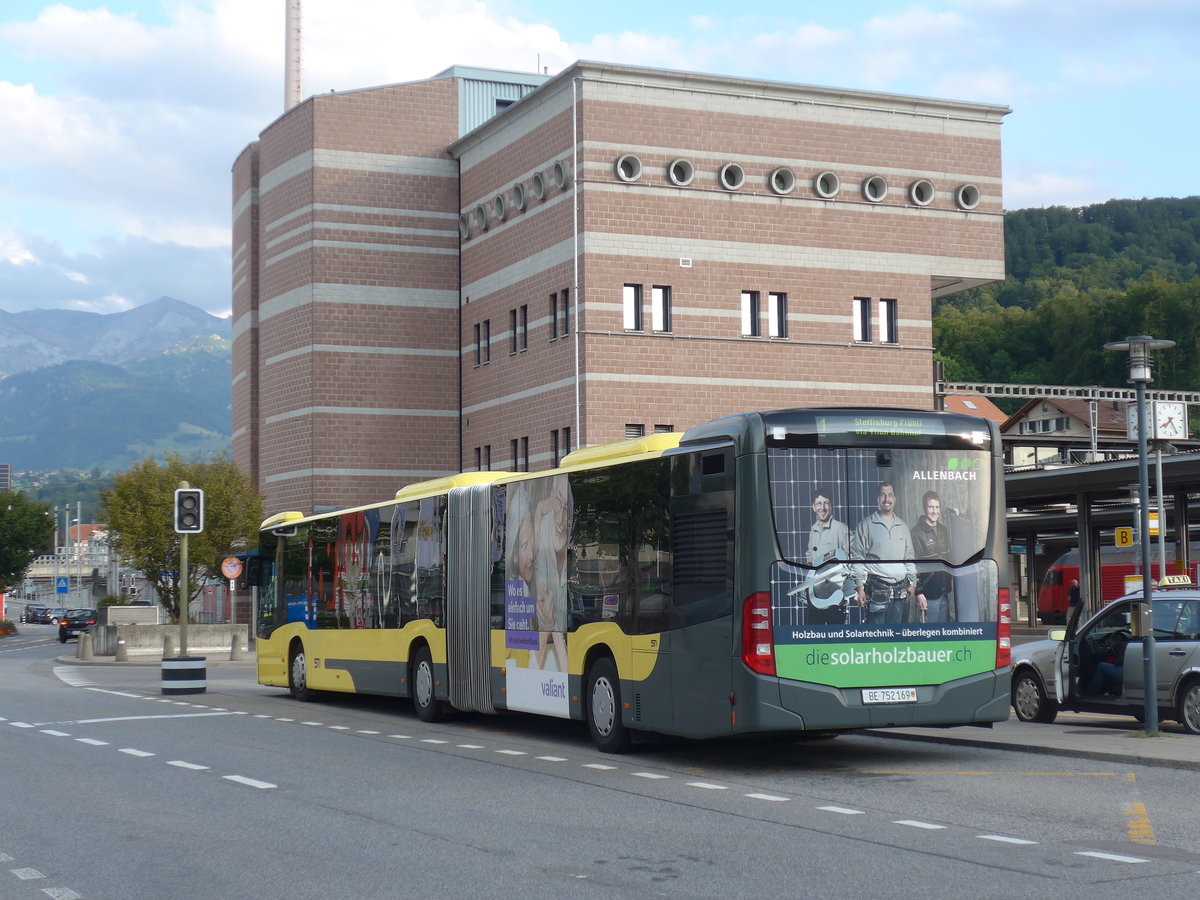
1170 420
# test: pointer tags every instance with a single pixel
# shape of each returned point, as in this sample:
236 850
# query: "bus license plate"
889 695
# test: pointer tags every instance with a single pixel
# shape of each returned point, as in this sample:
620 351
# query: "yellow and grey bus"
805 570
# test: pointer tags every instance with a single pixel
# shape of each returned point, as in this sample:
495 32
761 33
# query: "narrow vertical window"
487 340
660 308
751 326
776 315
633 307
565 313
887 322
487 457
553 316
523 322
525 454
862 319
554 448
516 460
512 328
478 348
478 459
566 440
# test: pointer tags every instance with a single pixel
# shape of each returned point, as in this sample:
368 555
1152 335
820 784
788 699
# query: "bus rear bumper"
777 705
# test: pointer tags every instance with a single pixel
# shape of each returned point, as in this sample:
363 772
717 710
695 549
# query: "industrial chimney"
291 56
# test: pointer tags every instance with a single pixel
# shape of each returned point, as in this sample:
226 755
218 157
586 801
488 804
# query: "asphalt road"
114 791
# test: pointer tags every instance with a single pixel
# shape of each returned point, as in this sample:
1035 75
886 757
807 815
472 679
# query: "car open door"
1066 660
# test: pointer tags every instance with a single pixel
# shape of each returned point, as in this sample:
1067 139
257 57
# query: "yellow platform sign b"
1124 537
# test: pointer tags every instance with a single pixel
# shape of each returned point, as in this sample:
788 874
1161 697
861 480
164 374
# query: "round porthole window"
921 192
538 186
783 180
464 226
967 196
681 172
562 174
732 176
518 197
481 217
628 167
499 208
827 185
875 188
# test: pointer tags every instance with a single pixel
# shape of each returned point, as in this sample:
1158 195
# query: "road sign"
62 586
231 567
1124 537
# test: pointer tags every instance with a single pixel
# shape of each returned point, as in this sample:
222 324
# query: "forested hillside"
1078 278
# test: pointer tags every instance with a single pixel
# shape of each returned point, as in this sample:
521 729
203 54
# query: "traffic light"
189 510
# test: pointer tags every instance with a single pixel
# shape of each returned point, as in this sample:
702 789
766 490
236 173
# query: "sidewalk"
1112 739
155 658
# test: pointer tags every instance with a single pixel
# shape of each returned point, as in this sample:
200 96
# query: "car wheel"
609 733
424 688
1189 707
1029 700
298 675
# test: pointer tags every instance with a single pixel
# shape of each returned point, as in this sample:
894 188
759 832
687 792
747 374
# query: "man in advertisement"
884 590
931 540
828 539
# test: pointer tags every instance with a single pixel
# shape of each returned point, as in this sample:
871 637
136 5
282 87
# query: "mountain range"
87 391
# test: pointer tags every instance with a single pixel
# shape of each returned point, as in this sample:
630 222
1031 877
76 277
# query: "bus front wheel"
428 707
298 675
609 733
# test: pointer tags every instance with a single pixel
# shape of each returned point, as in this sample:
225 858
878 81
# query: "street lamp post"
1140 366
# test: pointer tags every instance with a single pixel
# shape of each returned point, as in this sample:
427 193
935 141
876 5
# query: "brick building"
487 269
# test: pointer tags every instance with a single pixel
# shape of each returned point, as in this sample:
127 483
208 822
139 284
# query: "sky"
120 122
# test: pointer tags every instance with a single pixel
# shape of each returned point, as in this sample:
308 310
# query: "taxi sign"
1175 581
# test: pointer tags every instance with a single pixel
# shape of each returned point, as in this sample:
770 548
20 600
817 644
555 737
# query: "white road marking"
553 758
513 752
427 740
92 742
316 724
61 893
339 727
600 766
707 786
913 823
186 765
20 725
652 775
117 693
140 718
842 810
250 782
1004 839
1114 857
366 731
140 754
53 733
470 746
27 874
773 797
401 737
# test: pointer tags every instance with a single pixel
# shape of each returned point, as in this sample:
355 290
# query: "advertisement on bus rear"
882 581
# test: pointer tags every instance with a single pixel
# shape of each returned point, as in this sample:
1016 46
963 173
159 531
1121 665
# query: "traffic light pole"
183 587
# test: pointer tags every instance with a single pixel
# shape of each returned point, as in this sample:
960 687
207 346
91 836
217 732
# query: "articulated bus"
792 571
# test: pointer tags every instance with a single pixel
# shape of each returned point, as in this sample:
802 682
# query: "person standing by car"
1073 594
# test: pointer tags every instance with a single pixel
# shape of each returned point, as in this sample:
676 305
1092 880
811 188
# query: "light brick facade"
381 262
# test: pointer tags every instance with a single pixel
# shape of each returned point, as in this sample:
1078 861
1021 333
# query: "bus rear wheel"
609 733
424 688
298 675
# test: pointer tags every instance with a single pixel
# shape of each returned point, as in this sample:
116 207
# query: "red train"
1115 564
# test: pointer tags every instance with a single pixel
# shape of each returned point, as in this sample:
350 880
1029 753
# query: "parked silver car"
1098 666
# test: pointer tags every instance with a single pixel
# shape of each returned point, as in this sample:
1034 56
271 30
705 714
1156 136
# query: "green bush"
7 628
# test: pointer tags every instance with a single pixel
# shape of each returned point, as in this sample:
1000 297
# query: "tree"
26 530
140 516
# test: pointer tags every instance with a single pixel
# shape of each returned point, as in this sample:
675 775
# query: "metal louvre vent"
468 639
698 546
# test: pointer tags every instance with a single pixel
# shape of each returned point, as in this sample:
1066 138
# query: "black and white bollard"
184 675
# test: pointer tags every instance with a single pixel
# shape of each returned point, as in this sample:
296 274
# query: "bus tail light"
758 645
1003 630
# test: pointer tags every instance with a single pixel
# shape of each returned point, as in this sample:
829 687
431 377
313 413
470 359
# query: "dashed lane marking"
182 764
841 810
250 782
140 754
1114 857
914 823
1004 839
775 798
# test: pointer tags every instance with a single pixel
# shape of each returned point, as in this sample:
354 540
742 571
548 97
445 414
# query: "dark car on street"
34 613
75 623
